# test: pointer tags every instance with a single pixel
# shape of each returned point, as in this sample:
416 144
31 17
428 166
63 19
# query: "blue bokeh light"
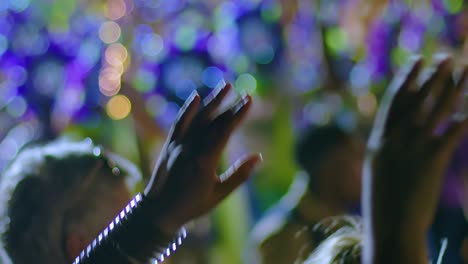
211 76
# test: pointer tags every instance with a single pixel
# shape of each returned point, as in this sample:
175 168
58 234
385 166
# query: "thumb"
236 175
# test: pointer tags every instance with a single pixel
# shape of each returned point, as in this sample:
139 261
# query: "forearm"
132 237
402 248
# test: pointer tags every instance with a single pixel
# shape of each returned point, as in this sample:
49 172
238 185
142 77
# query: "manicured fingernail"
237 107
241 103
244 96
192 96
257 161
221 85
441 59
415 58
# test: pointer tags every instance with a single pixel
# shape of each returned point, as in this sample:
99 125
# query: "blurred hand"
408 155
185 183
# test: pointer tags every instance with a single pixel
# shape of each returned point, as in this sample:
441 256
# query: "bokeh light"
360 79
211 76
258 41
246 82
453 6
109 81
3 44
49 77
147 43
18 5
145 80
109 32
156 105
151 44
367 104
68 66
17 106
116 54
336 40
118 107
185 37
116 9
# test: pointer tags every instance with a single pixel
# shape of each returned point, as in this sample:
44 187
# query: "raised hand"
408 152
185 183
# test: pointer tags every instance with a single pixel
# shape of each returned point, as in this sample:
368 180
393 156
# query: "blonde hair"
343 243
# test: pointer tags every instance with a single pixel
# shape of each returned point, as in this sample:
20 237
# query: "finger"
222 127
447 102
214 100
392 104
185 117
435 80
456 131
236 175
404 92
409 81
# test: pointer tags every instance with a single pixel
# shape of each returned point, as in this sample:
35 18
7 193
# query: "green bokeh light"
185 38
453 6
246 82
144 81
399 56
272 13
336 40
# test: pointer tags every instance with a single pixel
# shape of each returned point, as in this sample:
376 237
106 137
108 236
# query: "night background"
117 71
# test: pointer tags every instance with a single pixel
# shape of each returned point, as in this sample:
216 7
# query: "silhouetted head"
56 198
333 160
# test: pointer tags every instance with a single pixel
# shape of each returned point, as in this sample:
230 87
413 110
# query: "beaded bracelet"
131 238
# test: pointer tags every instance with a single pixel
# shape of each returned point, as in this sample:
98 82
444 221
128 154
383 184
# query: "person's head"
333 160
56 198
343 242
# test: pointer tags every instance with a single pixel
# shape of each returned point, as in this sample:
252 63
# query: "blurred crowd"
102 100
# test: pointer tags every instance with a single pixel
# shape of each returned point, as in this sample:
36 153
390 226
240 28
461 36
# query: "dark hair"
315 142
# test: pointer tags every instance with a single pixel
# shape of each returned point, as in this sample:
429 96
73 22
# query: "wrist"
163 215
132 235
399 247
398 252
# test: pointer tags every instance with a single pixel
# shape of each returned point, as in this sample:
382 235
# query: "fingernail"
220 85
441 59
192 96
244 97
241 103
257 161
237 107
415 58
